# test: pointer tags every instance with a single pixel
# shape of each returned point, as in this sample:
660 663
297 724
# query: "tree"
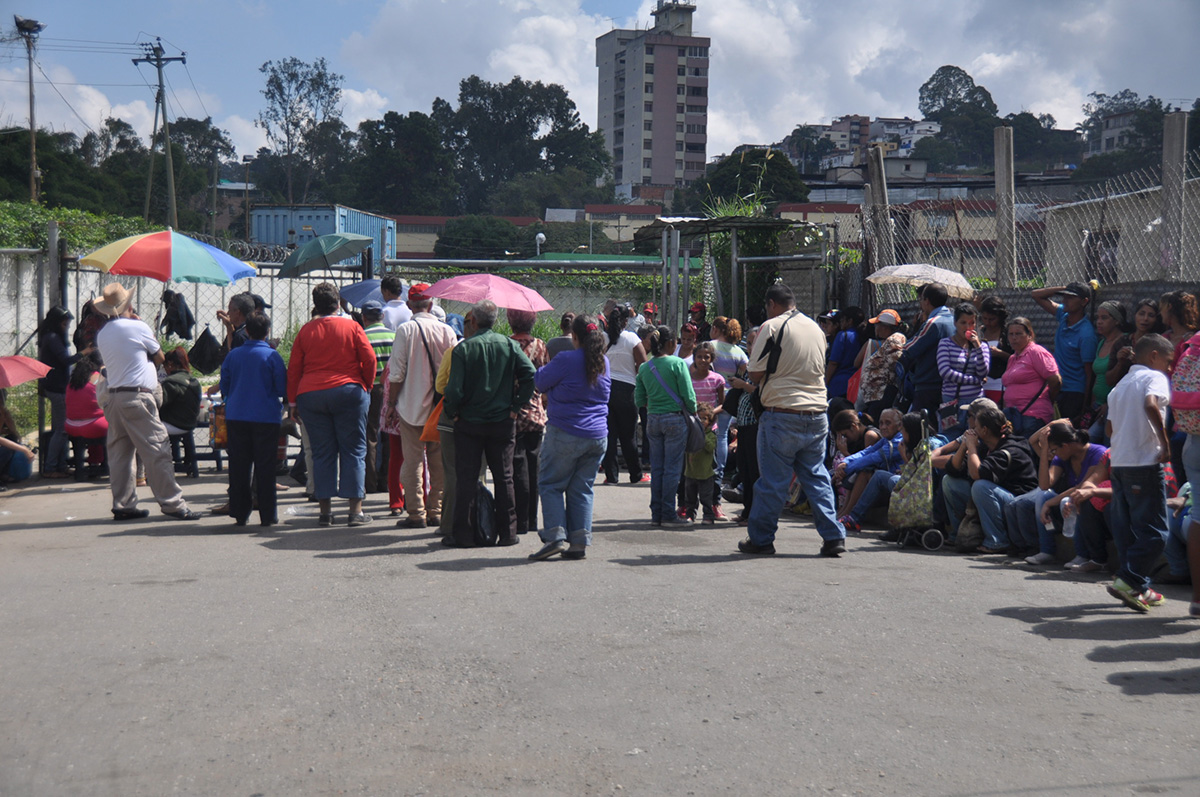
807 147
400 166
766 173
530 194
948 86
940 155
301 97
568 237
501 130
477 237
115 136
1102 105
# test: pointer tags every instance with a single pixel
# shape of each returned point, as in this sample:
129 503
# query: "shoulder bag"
695 429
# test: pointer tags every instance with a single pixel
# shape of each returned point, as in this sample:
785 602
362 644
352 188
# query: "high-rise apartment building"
654 102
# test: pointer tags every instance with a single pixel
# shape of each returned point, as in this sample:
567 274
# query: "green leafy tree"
1101 105
502 130
300 98
947 87
477 238
400 166
940 154
772 177
807 147
530 194
567 238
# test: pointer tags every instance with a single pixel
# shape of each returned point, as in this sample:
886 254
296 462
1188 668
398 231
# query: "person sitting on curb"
872 465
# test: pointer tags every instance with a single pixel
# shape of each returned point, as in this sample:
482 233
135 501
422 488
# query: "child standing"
1137 408
710 389
698 470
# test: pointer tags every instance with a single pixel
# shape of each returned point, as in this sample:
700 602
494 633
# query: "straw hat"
116 300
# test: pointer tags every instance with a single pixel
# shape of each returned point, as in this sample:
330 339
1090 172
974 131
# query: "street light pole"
28 29
246 161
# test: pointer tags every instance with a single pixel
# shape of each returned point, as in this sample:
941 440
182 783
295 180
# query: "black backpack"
482 517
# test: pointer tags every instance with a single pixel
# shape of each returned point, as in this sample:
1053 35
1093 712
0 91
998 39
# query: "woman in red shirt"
330 374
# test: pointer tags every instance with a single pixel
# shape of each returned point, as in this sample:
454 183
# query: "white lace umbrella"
917 274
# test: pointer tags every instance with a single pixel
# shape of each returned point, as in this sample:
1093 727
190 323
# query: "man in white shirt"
1137 409
417 352
131 354
395 310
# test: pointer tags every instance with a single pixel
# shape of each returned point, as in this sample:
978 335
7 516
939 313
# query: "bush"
24 226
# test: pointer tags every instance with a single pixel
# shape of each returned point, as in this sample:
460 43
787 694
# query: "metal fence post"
735 293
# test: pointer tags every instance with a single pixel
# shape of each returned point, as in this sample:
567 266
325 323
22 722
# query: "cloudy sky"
775 63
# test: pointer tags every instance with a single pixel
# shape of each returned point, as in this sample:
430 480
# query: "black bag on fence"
207 353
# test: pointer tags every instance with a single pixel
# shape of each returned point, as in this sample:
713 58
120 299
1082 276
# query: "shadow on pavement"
331 538
463 565
1166 682
1148 651
173 528
1112 622
652 560
430 547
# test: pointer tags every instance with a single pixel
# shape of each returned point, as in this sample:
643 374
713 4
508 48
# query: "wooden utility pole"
1006 210
157 56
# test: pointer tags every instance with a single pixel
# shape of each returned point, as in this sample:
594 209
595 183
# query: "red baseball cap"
650 307
698 307
416 293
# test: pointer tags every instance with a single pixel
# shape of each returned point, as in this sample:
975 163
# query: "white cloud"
246 137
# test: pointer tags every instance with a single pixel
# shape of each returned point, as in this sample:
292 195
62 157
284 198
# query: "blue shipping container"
298 224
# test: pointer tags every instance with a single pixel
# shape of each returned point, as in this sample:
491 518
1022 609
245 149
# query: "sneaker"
718 514
610 481
1078 560
184 514
358 520
644 480
709 520
411 523
549 549
746 546
1090 566
1042 558
682 512
833 547
732 495
1153 598
851 525
574 555
677 523
1128 595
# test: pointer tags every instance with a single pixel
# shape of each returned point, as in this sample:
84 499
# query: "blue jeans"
879 488
1191 461
723 421
990 500
1023 425
790 444
1025 528
667 434
57 448
1139 521
336 420
566 474
1176 547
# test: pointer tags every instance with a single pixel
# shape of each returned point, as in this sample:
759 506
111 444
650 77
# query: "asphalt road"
156 657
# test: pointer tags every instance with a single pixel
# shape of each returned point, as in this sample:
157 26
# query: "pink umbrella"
16 370
472 288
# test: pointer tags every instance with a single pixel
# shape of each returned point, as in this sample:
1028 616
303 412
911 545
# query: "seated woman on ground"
1065 458
993 479
852 432
901 435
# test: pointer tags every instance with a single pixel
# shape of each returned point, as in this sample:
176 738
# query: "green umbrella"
322 252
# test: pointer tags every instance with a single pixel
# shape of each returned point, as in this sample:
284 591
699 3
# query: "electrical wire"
61 97
198 97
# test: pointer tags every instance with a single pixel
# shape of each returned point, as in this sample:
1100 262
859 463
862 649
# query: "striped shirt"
963 371
381 341
706 388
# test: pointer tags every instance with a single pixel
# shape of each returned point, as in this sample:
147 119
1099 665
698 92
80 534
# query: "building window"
697 91
649 49
696 148
697 129
682 71
679 164
679 146
646 180
649 69
647 125
680 90
696 109
696 52
646 164
649 88
648 107
647 144
679 127
683 52
699 71
678 109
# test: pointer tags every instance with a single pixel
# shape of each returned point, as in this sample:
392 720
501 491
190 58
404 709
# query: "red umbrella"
16 370
472 288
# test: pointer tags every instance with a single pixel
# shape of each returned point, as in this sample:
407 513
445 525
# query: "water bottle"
1070 516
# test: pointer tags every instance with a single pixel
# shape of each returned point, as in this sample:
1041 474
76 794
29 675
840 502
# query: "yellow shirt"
799 380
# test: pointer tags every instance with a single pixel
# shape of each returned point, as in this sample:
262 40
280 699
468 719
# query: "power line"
61 97
61 83
198 97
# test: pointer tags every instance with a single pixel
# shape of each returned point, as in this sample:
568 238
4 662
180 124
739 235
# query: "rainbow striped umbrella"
167 255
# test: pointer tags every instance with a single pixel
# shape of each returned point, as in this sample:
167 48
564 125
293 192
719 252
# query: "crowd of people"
833 417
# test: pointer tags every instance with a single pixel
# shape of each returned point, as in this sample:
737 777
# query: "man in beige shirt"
788 364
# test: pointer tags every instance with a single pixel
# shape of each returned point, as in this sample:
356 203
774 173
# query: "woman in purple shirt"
576 384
